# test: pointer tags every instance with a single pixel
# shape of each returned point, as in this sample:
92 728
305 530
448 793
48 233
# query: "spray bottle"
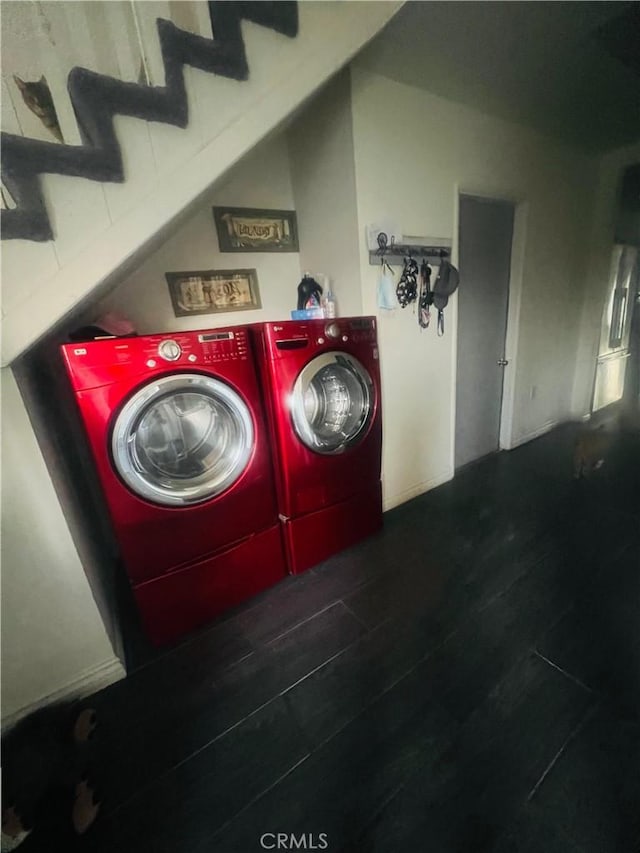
329 300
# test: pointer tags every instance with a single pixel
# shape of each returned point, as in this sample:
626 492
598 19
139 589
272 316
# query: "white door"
333 402
486 230
182 439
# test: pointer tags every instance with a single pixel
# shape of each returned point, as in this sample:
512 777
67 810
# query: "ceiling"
568 69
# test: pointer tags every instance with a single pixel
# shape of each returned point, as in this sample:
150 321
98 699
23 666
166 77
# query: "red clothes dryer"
176 427
322 383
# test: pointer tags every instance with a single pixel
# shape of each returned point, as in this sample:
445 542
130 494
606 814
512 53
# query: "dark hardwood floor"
467 681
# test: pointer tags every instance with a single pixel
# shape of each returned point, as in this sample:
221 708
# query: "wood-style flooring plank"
162 716
339 788
463 802
593 789
196 798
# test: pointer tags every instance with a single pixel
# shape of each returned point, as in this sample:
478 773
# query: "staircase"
154 101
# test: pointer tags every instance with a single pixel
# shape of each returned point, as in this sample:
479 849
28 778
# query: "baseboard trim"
536 433
414 491
88 682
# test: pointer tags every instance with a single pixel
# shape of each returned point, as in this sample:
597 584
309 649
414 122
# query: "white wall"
608 175
49 401
54 643
413 153
262 180
324 188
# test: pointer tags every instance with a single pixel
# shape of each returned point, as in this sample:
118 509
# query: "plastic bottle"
309 293
329 305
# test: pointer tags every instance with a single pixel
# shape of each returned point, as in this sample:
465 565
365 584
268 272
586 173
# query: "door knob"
503 362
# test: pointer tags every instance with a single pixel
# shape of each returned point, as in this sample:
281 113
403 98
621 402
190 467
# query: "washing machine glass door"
332 403
182 439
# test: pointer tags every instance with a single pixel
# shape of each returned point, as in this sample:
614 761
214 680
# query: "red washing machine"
176 428
322 382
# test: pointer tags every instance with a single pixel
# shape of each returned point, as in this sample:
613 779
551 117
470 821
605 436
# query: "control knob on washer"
169 350
332 330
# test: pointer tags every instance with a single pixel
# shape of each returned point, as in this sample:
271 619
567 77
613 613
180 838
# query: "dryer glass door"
333 403
182 439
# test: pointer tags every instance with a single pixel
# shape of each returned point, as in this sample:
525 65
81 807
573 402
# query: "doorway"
485 241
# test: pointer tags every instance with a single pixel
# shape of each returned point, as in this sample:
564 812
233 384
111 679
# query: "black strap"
426 297
440 322
407 289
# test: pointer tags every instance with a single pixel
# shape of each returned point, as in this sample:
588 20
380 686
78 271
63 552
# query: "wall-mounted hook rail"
395 253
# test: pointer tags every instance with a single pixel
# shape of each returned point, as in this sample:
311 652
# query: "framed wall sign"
245 229
213 291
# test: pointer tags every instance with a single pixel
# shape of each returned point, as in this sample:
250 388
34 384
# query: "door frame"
516 274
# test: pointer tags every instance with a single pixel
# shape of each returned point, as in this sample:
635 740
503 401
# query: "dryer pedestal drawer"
316 536
181 601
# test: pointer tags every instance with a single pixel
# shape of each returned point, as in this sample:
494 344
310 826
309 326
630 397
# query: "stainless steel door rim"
182 439
332 403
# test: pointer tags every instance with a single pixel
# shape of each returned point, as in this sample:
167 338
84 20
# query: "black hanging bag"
446 283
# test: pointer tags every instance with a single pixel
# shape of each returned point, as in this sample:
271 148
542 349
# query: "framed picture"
244 229
213 291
